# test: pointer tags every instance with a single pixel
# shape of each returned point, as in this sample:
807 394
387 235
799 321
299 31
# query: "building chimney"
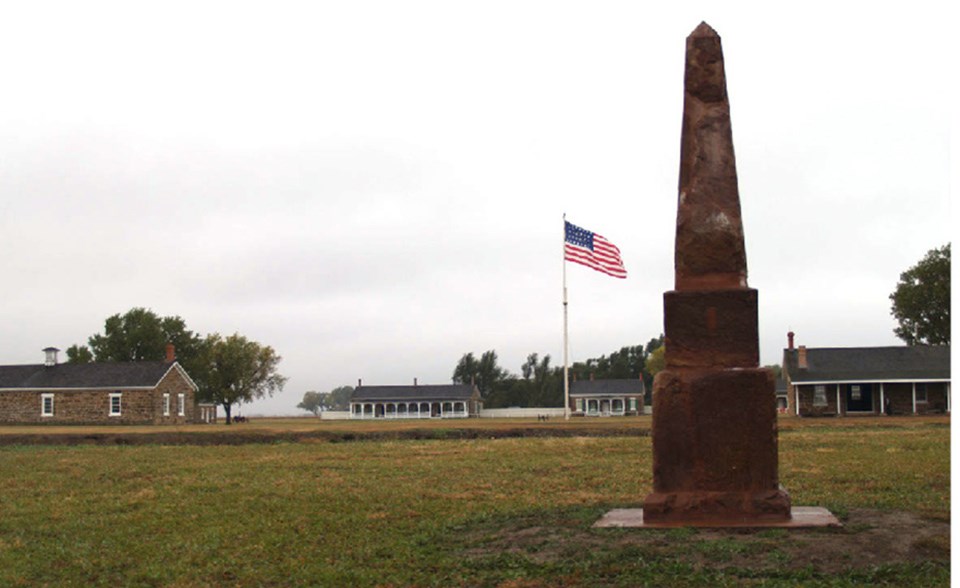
359 383
51 358
790 340
414 381
574 376
171 353
802 357
591 376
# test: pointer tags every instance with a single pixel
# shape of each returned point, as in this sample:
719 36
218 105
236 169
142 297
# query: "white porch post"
948 396
882 405
914 387
838 399
796 397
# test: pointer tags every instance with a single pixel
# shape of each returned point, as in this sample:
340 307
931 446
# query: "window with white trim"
46 405
115 405
579 404
819 395
166 405
181 404
921 392
633 403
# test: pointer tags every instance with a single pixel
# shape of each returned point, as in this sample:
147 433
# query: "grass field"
486 512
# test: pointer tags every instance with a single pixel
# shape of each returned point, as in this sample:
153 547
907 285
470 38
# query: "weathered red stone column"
714 415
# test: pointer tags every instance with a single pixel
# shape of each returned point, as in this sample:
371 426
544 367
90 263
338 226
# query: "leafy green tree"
653 344
339 398
921 301
775 368
484 373
656 362
79 354
546 382
312 402
466 369
237 370
141 335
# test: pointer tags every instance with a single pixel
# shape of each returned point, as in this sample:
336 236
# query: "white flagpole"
566 346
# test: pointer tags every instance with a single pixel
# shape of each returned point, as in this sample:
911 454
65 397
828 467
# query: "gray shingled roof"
411 393
607 387
139 374
828 364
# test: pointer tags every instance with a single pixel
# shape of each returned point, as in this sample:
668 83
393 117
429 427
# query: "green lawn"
424 513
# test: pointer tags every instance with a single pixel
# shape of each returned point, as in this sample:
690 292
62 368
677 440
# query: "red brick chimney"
171 353
591 376
790 340
802 357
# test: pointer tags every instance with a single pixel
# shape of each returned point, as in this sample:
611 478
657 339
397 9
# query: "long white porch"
409 410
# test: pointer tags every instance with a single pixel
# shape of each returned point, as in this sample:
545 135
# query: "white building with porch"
607 397
415 402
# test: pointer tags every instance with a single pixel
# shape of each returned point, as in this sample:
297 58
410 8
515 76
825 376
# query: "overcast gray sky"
376 188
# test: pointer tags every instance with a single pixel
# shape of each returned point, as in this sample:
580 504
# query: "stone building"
130 393
849 381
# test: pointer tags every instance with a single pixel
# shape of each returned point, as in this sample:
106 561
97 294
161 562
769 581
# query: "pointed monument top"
710 252
703 30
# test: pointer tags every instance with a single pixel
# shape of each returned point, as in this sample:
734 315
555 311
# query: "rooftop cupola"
51 356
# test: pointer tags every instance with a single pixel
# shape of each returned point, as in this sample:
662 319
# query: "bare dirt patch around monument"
868 541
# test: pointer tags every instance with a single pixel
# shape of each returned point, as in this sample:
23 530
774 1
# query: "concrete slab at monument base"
800 517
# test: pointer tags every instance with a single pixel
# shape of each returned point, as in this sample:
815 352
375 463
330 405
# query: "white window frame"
119 397
820 390
181 404
166 404
633 403
43 405
579 404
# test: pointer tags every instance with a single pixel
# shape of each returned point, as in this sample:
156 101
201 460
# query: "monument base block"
682 508
800 517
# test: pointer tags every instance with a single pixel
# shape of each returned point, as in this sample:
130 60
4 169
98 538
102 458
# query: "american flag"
592 250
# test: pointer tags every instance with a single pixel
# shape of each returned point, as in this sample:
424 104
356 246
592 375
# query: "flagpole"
566 346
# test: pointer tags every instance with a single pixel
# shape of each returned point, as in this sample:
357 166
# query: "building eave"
873 381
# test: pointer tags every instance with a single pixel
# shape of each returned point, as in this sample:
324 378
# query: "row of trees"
227 370
540 383
317 402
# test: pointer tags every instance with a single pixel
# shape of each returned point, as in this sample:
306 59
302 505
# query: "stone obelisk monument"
714 415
